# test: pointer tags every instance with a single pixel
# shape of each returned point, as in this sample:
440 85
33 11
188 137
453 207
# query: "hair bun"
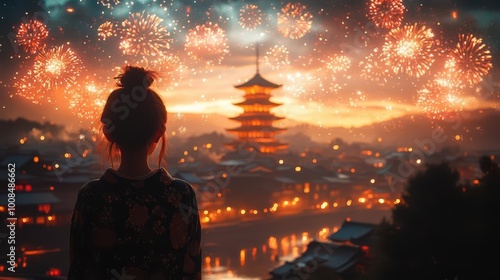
133 76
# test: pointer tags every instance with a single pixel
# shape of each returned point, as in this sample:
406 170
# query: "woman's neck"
134 162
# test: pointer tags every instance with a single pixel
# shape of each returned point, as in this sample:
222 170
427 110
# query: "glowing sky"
319 52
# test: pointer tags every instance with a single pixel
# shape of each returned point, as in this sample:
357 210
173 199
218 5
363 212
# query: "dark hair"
134 115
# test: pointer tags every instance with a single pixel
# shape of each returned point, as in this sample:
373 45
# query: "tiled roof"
265 117
257 128
337 258
352 230
257 80
261 101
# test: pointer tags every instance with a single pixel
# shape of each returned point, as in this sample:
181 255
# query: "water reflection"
242 257
254 262
250 250
228 274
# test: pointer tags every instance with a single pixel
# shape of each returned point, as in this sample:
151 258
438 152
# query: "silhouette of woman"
135 222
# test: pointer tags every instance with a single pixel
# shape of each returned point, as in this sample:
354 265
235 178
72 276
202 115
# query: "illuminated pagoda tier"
256 131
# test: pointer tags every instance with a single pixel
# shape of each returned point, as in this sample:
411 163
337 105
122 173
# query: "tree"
442 229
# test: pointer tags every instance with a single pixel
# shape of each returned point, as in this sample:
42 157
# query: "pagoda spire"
257 56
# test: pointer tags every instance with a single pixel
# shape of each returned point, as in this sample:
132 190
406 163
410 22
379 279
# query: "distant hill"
476 130
14 130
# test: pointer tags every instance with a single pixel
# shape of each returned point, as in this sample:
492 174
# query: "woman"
135 222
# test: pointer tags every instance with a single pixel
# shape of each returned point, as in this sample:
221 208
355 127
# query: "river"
250 250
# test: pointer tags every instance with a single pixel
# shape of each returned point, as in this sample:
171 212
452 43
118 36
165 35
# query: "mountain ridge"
474 129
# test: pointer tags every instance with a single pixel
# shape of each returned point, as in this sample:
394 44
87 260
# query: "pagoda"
256 131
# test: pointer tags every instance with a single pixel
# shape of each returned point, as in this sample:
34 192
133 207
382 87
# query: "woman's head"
134 116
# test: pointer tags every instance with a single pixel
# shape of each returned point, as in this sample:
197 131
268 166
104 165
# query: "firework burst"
335 68
143 34
57 67
169 67
472 59
87 99
31 89
386 13
373 67
250 17
105 30
294 21
207 42
277 57
409 50
301 85
110 3
440 99
449 77
171 70
337 63
31 34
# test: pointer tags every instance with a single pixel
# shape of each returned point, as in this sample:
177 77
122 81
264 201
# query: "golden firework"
110 3
409 50
143 34
440 99
386 13
301 85
207 43
31 34
87 99
169 68
57 67
250 16
105 30
449 77
294 21
472 59
277 57
374 68
31 89
337 63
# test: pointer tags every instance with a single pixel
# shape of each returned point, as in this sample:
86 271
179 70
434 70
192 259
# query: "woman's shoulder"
91 185
106 180
177 183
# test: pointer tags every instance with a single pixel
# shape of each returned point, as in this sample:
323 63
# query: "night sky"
338 63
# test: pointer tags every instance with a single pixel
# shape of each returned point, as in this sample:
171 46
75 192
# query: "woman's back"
140 228
145 227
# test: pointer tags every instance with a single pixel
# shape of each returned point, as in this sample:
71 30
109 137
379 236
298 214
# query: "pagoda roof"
266 117
258 80
275 144
256 128
260 101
